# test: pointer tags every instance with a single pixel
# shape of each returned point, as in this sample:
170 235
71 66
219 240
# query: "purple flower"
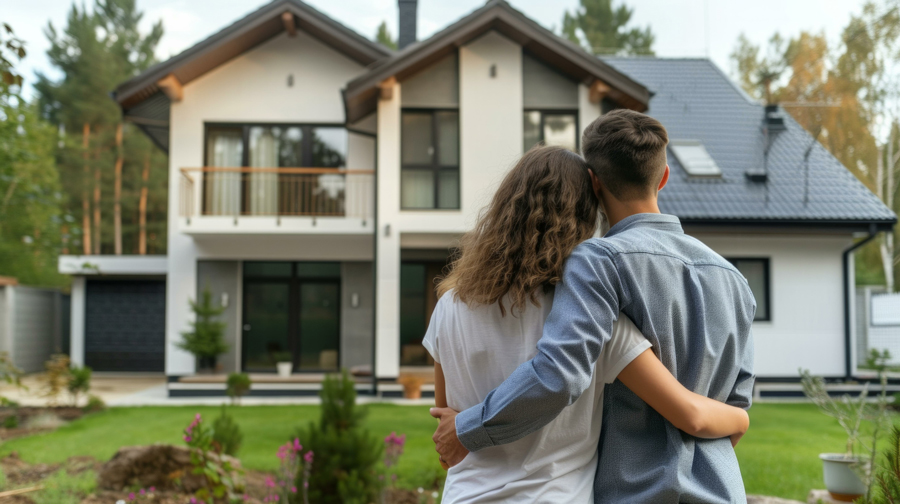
187 439
297 445
131 496
293 489
193 500
308 457
143 492
153 489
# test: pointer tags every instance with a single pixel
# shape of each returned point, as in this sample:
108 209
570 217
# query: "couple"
571 368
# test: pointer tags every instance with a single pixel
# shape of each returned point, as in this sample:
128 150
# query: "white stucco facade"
806 329
254 88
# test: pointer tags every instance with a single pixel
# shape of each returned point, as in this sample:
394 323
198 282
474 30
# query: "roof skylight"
692 156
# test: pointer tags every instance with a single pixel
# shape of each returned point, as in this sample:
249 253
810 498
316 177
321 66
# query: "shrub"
94 404
79 382
345 468
56 377
11 422
206 338
227 437
237 386
888 479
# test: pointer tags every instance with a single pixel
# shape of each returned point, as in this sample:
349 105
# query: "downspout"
848 344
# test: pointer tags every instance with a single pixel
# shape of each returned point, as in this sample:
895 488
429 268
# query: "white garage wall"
807 305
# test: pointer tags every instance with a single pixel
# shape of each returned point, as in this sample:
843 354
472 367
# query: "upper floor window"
429 174
552 127
268 190
756 271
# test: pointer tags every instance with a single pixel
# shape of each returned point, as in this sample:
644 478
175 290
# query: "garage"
125 325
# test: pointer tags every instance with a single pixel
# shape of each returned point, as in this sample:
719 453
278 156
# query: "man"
692 304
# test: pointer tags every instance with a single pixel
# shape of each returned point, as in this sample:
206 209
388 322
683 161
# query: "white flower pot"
841 478
284 369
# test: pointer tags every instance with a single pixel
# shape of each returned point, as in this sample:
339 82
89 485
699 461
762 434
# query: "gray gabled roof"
570 59
696 101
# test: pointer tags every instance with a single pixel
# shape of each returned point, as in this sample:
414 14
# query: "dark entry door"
125 325
291 312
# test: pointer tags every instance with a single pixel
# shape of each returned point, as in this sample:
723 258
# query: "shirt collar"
661 221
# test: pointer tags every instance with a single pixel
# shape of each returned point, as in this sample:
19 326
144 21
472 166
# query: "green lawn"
779 455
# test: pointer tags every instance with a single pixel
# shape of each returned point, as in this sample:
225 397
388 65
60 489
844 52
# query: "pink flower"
193 500
270 482
308 457
293 489
153 489
297 445
131 496
143 492
187 439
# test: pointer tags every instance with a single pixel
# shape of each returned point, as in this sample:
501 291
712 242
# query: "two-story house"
318 183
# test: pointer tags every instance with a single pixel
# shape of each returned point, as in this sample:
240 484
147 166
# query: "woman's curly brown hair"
543 208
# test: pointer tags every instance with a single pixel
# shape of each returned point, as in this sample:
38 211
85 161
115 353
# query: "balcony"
215 200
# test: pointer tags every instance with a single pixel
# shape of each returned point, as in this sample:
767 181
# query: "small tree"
206 339
236 386
79 382
56 377
347 455
227 436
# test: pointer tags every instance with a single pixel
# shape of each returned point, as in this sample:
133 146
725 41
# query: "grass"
264 427
779 455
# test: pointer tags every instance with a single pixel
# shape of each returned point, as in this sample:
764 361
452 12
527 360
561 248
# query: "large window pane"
560 130
320 325
412 313
417 147
532 130
417 189
266 310
448 189
262 188
290 152
267 269
329 147
448 138
222 190
756 271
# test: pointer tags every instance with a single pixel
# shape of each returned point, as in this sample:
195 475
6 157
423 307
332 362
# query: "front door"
291 313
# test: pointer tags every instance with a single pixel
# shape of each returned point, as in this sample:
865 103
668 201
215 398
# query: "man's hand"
445 441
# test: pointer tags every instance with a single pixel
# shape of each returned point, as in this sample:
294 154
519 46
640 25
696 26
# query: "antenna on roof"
806 154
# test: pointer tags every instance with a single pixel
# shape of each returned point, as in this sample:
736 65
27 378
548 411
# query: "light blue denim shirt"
695 308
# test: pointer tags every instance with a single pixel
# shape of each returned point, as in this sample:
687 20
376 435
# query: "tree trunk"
142 207
117 192
85 201
97 181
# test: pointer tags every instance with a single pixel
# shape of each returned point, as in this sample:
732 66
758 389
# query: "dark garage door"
125 325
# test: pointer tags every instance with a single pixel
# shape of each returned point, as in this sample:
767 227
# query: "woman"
490 317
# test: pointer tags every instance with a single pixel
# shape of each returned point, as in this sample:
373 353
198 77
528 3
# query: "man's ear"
595 183
665 179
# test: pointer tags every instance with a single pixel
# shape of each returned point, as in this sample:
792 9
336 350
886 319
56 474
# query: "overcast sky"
682 27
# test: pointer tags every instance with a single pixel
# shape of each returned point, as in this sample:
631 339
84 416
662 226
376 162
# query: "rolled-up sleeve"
585 307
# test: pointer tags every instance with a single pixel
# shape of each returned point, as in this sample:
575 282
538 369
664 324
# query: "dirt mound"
165 467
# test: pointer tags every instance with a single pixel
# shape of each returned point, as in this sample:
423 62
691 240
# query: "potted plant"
206 338
412 386
848 475
284 362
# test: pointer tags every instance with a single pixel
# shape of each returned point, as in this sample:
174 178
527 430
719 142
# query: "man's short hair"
627 152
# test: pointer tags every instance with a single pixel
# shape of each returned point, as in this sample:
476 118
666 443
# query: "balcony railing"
315 192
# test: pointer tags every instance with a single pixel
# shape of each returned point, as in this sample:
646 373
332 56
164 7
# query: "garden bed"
22 421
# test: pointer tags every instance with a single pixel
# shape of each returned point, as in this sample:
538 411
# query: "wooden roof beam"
386 88
290 26
172 88
599 90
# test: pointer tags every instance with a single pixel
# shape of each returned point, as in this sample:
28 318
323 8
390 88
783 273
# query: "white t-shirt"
478 349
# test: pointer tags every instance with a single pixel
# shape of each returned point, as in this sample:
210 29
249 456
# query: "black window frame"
435 166
306 154
551 111
767 281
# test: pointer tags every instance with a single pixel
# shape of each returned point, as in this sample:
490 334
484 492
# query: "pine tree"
384 37
346 455
206 338
102 161
601 29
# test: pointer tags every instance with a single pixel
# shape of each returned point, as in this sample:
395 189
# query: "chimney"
407 25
